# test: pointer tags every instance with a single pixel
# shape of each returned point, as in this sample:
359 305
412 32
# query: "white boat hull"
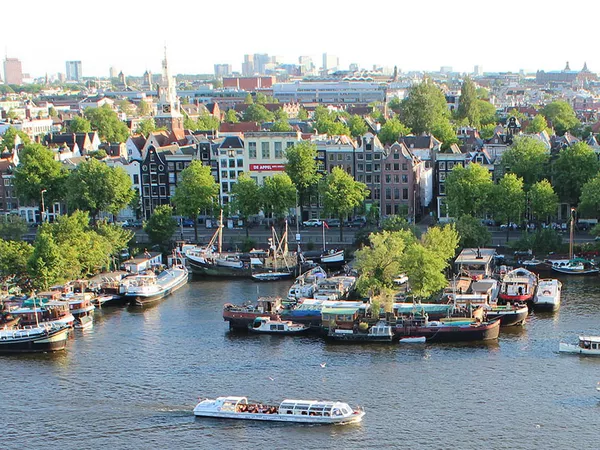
292 418
576 350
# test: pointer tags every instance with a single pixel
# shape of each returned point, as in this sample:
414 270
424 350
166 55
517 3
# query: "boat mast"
323 226
35 313
571 234
221 233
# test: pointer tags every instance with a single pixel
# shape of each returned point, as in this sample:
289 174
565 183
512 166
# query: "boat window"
273 327
280 327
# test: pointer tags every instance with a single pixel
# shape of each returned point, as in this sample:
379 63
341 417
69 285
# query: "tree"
543 201
380 262
278 195
258 113
143 108
93 186
231 116
574 167
561 115
207 122
281 126
398 223
146 126
196 190
12 227
14 256
246 198
424 270
116 236
527 158
357 125
248 100
107 123
161 225
537 124
472 232
302 169
9 138
424 107
445 132
126 107
45 265
487 113
80 125
302 113
468 109
589 203
392 130
443 240
340 194
38 171
467 190
281 115
509 200
52 112
487 131
394 104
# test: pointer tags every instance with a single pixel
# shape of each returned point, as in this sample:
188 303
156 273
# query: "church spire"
567 68
168 107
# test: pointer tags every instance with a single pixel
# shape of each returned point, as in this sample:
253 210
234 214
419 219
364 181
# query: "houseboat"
518 285
241 316
587 346
380 332
447 330
306 284
45 337
476 262
547 295
297 411
34 311
144 289
266 325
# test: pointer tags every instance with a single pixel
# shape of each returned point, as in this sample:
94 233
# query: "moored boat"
299 411
84 322
34 339
380 332
267 325
518 285
241 316
547 295
271 276
587 346
448 330
575 266
144 289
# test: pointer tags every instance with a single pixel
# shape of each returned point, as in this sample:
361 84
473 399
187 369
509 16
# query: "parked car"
356 223
513 226
312 223
124 254
188 222
333 223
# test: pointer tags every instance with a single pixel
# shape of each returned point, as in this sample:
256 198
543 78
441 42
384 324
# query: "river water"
133 380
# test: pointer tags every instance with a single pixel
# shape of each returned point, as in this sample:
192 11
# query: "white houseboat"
588 345
547 295
299 411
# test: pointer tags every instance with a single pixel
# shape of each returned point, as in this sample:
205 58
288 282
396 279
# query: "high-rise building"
478 71
248 66
222 70
330 62
306 64
13 72
113 72
260 63
74 71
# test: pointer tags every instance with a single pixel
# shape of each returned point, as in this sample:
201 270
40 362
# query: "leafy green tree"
161 226
14 256
207 122
281 115
399 223
12 114
561 115
258 113
80 125
357 125
12 227
278 195
196 191
509 200
424 108
392 130
116 236
146 126
424 269
543 201
487 113
143 108
527 158
246 198
107 123
589 204
93 186
302 114
445 132
340 194
472 232
394 104
487 131
52 112
517 114
46 265
467 190
281 126
328 122
248 100
263 99
380 262
37 171
231 116
9 137
302 169
126 107
574 167
443 240
468 109
537 124
483 93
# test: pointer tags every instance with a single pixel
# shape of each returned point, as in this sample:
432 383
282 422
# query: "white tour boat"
588 345
299 411
547 295
266 325
143 289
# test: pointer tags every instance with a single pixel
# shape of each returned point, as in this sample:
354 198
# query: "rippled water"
133 380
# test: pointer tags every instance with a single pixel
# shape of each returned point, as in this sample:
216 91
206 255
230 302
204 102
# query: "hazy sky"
412 34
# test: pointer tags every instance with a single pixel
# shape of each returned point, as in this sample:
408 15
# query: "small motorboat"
84 322
299 411
575 266
547 295
271 276
588 346
412 340
268 325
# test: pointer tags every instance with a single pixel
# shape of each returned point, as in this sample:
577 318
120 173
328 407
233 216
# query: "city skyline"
428 36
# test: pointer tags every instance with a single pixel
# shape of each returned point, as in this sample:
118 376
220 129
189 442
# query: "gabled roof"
232 142
425 141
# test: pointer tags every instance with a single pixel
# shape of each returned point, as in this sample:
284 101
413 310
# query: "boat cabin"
314 408
477 262
343 317
144 261
589 342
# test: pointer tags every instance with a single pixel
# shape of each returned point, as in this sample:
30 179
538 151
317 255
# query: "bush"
543 241
248 244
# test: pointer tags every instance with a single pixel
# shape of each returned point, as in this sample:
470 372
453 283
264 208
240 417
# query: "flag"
325 225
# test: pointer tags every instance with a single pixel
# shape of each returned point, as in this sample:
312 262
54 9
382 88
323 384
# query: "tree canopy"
392 130
357 125
537 124
278 195
246 198
258 113
589 203
107 123
467 190
574 167
527 158
468 109
302 167
543 201
9 138
424 108
509 200
146 126
561 116
472 232
161 226
80 125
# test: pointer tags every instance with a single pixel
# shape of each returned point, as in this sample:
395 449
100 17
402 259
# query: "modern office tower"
248 66
222 70
74 71
13 71
330 62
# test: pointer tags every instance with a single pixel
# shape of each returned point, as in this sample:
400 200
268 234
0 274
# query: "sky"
410 34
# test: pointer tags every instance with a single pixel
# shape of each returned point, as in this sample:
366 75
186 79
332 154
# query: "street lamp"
43 210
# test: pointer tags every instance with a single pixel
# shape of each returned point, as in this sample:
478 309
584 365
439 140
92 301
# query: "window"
171 178
396 155
136 178
442 188
289 144
348 158
388 193
396 166
265 150
442 176
405 178
340 157
369 146
225 187
377 156
163 191
388 209
331 157
404 166
179 166
442 165
361 167
223 174
152 168
145 179
171 191
450 165
405 194
376 167
278 150
396 179
361 178
240 162
369 167
369 156
223 163
388 179
232 174
377 179
252 150
388 166
360 156
369 178
396 194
